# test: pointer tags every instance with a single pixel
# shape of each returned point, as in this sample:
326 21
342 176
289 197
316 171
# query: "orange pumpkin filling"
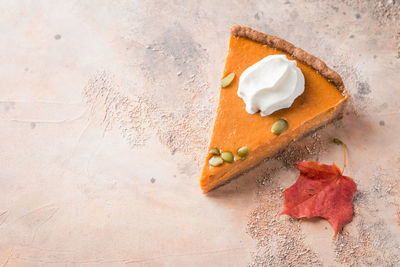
235 128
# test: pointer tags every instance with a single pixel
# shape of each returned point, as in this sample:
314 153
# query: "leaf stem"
339 142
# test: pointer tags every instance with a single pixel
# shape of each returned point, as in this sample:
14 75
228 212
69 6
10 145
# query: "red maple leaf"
321 191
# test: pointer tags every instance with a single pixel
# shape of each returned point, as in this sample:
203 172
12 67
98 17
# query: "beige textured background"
105 113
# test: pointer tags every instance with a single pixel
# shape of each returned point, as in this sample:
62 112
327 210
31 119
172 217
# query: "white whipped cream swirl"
271 84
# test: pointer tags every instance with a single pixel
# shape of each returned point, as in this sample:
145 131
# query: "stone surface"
105 113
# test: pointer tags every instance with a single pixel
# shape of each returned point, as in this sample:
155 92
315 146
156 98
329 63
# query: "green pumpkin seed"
215 161
243 152
279 126
228 79
215 151
228 157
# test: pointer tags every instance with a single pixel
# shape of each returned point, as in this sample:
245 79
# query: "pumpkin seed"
215 151
279 126
243 152
228 157
228 79
215 161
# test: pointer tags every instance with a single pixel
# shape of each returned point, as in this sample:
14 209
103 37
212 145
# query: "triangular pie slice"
323 101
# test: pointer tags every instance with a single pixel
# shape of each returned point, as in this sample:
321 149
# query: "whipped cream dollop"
271 84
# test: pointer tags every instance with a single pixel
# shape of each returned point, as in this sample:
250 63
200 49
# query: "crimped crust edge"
298 53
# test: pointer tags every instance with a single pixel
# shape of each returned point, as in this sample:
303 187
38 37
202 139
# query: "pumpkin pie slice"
322 101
